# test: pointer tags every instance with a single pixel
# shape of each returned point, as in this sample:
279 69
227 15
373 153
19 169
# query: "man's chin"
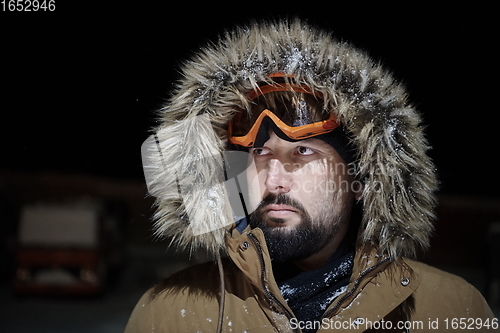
279 223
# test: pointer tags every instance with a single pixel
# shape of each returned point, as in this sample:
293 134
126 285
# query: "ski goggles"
296 122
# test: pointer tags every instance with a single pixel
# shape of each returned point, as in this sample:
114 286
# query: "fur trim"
390 146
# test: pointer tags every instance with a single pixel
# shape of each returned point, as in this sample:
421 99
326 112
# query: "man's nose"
278 180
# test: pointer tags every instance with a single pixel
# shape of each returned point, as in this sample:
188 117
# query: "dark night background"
79 87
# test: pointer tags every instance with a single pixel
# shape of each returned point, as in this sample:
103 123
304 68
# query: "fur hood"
184 160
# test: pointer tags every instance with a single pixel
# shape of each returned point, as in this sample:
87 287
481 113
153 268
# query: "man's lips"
279 210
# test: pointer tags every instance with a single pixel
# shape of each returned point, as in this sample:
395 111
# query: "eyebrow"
313 141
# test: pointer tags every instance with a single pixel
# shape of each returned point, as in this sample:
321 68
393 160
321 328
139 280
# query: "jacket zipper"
353 289
268 293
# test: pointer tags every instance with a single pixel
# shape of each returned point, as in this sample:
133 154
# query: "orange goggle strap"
295 133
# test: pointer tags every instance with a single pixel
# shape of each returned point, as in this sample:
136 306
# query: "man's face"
300 196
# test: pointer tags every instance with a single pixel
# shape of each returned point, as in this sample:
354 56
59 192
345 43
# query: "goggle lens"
295 120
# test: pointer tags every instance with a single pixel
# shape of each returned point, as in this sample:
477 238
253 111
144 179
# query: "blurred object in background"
65 248
492 288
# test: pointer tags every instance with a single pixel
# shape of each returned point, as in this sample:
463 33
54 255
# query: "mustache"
280 199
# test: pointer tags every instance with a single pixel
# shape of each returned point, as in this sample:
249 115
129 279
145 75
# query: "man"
336 195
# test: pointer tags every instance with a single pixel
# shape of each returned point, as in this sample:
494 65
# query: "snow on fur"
399 178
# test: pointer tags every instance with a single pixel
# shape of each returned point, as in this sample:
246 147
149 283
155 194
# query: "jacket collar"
377 286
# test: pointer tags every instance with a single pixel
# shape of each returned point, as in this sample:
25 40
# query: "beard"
297 243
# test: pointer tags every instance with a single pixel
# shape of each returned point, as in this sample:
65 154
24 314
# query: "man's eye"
305 151
260 151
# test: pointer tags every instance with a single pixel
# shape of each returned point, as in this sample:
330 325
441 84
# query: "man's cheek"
256 191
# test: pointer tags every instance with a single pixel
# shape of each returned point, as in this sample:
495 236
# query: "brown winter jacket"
406 296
